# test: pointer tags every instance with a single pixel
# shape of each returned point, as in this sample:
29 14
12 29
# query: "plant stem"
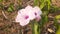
36 28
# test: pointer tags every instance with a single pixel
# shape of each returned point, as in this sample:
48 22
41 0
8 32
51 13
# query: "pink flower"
29 10
22 18
29 13
25 15
37 12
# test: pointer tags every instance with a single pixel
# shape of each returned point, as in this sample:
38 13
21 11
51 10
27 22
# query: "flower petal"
37 10
38 18
24 22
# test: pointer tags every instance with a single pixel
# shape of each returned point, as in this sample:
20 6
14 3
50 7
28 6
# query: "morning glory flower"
28 13
22 18
37 12
29 10
25 15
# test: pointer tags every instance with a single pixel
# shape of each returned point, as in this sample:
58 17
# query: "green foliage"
57 25
36 2
57 17
11 8
1 0
58 31
46 7
35 27
53 9
43 3
49 4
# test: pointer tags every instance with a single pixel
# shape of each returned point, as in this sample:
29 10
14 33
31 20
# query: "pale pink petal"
37 10
21 11
24 22
18 18
38 18
29 11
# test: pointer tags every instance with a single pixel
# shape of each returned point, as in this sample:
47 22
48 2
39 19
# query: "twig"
29 2
4 15
22 30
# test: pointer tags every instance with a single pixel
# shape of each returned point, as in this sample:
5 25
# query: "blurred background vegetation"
49 23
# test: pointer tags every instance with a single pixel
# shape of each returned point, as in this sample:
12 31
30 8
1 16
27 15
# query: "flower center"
26 17
35 13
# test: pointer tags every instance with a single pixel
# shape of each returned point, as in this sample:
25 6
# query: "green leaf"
42 5
36 28
58 31
36 2
57 17
49 2
11 8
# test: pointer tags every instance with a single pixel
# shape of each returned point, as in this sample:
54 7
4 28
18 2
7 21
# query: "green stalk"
36 28
32 26
58 31
48 4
